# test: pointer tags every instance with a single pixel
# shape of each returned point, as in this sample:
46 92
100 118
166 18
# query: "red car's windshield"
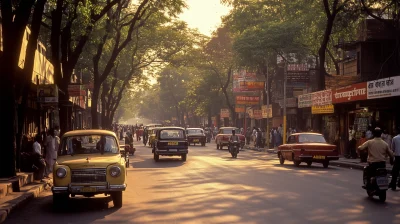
310 138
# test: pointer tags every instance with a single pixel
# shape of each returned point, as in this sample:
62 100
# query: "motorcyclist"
233 138
378 150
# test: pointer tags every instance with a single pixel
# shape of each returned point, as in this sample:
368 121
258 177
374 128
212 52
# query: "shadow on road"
164 162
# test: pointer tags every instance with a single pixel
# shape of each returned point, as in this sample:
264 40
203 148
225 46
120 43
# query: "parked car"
89 163
170 141
196 136
222 138
308 148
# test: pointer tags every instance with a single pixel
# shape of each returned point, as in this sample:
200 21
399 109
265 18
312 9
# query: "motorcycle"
379 183
234 148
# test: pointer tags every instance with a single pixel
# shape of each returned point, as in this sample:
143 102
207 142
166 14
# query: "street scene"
200 111
212 187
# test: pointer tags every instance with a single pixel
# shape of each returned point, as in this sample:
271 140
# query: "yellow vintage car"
89 163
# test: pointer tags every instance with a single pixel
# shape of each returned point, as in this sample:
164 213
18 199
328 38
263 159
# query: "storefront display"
362 120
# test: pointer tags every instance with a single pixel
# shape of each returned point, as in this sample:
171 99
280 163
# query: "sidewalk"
19 190
342 162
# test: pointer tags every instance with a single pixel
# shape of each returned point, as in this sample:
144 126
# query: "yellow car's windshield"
89 144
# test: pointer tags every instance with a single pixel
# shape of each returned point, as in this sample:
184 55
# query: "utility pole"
284 102
267 92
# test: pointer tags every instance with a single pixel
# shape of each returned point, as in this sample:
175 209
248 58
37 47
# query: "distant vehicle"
222 138
196 136
89 163
307 147
170 141
153 125
152 135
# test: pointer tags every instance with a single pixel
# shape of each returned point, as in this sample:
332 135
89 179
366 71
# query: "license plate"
195 140
318 157
172 143
173 150
382 181
88 189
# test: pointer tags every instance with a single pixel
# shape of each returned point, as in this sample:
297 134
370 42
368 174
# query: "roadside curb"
17 199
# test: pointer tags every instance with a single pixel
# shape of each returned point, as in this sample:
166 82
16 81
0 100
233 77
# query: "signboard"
250 112
324 109
257 114
224 113
321 98
247 100
47 93
297 67
247 86
304 100
350 93
266 111
290 102
386 87
242 76
76 90
239 109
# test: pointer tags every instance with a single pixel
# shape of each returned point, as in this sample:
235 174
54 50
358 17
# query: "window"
310 138
229 130
172 134
292 139
194 131
89 144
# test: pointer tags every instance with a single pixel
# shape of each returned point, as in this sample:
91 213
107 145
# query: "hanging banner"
382 88
239 109
257 114
304 100
321 98
247 100
266 111
225 113
325 109
242 76
350 93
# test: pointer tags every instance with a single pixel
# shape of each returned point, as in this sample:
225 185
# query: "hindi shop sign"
325 109
382 88
305 100
247 100
257 114
247 86
266 111
350 93
224 113
239 109
321 98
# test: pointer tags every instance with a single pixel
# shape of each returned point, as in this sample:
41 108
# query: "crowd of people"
258 136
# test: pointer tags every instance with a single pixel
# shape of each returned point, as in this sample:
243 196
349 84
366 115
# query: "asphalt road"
211 187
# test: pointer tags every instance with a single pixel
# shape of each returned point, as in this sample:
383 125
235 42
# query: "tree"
15 18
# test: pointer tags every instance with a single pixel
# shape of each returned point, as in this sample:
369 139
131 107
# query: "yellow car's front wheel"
117 198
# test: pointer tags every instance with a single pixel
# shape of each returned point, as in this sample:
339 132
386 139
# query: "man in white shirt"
52 145
37 151
352 143
396 167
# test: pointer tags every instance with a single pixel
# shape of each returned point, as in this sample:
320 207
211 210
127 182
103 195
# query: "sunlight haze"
205 15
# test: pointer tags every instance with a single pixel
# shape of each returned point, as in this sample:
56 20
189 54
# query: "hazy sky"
204 15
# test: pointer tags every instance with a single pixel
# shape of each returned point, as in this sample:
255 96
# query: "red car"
308 148
222 138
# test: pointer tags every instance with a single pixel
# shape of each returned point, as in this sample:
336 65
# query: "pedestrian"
254 135
51 148
387 138
259 138
363 154
368 134
351 144
280 130
248 136
396 167
39 162
264 137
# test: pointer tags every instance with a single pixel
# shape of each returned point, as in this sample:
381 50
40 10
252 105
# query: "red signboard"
350 93
257 114
247 100
251 85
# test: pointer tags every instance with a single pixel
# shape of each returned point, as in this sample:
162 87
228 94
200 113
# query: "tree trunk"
337 68
95 97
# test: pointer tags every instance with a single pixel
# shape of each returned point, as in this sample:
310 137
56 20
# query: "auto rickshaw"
152 136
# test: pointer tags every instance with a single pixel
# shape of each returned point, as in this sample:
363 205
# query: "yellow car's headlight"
61 172
115 171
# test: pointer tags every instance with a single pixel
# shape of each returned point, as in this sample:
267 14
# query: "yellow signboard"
326 109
